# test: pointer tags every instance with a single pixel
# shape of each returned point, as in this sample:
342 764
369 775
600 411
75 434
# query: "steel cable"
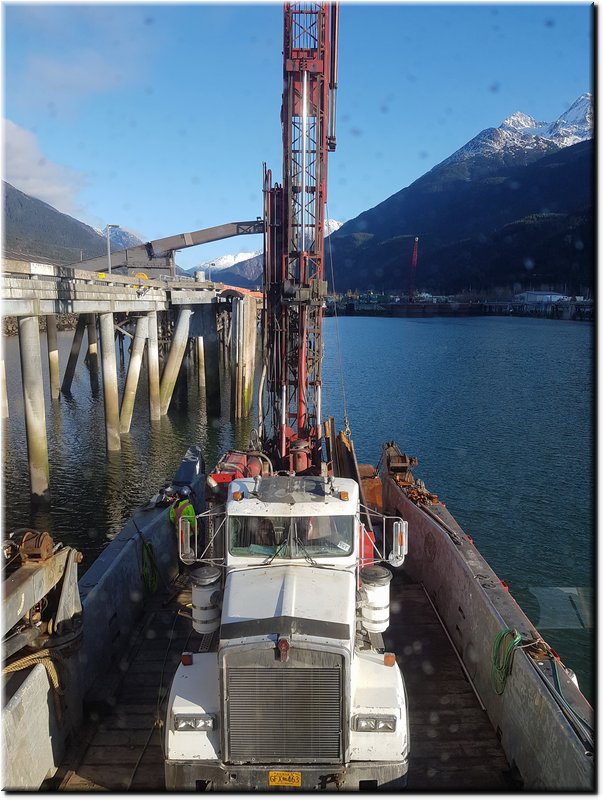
347 431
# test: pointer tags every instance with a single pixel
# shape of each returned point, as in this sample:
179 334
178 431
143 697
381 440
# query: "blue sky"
158 117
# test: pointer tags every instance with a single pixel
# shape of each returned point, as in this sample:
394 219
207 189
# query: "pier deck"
453 745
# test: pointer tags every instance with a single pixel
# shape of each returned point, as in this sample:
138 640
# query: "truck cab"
294 691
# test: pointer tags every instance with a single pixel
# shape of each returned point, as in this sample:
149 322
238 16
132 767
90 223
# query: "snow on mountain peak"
521 133
580 111
517 121
228 261
332 225
573 126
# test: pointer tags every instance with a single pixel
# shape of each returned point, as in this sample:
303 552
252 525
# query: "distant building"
539 297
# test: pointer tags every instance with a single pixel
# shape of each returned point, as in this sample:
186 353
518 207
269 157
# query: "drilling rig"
295 288
290 685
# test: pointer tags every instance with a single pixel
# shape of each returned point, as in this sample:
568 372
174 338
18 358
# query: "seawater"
498 410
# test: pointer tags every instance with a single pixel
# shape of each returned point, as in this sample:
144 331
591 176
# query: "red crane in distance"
413 270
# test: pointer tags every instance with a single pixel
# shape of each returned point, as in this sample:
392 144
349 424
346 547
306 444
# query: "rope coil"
503 650
46 658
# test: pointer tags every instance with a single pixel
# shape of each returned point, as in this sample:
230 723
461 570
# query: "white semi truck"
295 689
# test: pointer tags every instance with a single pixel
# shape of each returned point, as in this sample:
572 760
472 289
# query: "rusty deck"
453 745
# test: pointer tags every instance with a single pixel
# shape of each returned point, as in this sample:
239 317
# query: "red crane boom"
294 283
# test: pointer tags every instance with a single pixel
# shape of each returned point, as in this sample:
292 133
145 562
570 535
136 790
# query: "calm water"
499 412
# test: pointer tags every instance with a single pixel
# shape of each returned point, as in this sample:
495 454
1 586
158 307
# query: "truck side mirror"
399 542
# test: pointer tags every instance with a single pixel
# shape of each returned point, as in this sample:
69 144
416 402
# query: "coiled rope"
47 658
503 650
149 568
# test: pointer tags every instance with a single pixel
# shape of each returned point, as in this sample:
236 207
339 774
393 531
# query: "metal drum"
205 585
375 589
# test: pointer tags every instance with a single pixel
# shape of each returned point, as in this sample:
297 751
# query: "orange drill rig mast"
294 285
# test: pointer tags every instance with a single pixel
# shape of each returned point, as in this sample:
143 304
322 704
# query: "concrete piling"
153 370
5 414
92 343
110 392
200 364
53 356
73 355
243 345
211 352
174 360
33 401
129 398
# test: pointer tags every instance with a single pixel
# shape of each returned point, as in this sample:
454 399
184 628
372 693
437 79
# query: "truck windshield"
291 537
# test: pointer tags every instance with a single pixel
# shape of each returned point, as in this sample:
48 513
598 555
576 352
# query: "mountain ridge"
482 186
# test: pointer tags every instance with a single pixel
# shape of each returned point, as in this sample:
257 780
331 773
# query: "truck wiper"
307 555
276 552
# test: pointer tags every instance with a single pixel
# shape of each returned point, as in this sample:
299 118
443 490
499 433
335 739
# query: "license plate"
284 778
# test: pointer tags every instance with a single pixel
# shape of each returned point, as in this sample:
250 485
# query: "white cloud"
27 169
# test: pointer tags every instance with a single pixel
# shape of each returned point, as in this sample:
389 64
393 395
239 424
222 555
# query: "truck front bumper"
199 775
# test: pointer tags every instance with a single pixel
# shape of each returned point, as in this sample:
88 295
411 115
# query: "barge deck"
453 745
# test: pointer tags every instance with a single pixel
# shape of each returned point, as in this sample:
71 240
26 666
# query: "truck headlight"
195 722
375 723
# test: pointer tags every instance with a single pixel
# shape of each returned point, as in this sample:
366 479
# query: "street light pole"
109 245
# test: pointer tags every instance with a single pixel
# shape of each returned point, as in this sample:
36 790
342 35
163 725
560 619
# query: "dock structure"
453 745
166 319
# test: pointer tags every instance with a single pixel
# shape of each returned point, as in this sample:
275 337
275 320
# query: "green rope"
503 650
149 570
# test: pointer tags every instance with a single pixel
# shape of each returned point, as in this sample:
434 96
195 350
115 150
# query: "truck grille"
284 715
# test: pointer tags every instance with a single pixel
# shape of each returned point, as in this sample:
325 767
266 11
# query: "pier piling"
53 357
110 392
132 378
174 360
200 364
92 343
153 370
211 352
3 390
73 355
33 403
243 345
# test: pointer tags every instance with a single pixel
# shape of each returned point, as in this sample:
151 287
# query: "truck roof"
293 496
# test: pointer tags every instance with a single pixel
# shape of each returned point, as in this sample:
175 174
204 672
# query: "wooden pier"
453 745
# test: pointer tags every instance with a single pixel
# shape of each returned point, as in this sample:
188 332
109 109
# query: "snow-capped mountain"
573 126
522 136
332 225
120 238
228 261
512 196
248 264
